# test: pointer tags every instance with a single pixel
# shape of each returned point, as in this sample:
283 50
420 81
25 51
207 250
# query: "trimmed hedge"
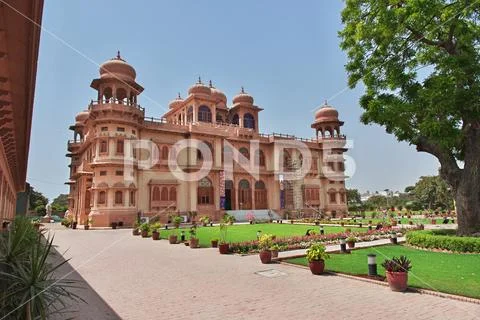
444 240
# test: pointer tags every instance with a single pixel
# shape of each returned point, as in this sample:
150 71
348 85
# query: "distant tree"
37 199
40 210
409 189
60 203
388 43
353 197
376 202
433 192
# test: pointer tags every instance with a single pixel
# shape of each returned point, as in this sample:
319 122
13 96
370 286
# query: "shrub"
444 240
401 264
145 227
317 252
265 242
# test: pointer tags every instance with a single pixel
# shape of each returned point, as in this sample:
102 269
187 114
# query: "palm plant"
29 288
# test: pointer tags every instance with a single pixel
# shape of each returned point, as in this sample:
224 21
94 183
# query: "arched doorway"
244 195
260 195
229 195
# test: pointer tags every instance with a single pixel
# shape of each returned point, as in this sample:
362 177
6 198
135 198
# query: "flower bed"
443 240
303 242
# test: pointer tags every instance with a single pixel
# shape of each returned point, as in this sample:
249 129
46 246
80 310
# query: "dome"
117 68
243 97
199 88
82 116
326 113
219 95
175 103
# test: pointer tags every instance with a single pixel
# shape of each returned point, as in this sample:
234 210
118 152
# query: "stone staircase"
262 215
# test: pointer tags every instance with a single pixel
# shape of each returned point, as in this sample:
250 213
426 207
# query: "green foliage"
40 210
60 203
28 286
227 218
156 226
223 232
353 197
433 192
443 240
265 242
177 220
204 219
145 227
401 264
37 199
351 239
317 252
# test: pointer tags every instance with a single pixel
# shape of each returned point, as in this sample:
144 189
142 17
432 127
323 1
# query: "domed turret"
217 94
117 68
243 97
81 117
199 88
177 102
326 114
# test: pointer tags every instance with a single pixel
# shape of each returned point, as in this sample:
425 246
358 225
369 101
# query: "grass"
247 232
446 272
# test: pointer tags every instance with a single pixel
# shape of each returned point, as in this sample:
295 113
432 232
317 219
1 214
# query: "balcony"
73 145
115 104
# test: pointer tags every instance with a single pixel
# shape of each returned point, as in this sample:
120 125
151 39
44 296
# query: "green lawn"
445 272
247 232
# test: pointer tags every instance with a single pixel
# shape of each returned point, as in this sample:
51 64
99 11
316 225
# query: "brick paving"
146 279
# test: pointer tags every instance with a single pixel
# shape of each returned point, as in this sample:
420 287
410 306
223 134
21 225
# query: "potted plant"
250 217
214 242
204 220
274 250
223 246
227 218
156 230
144 229
89 223
264 244
113 225
74 225
351 241
316 257
193 238
172 238
177 220
136 231
396 270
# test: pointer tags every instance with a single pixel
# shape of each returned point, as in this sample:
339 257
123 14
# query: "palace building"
104 188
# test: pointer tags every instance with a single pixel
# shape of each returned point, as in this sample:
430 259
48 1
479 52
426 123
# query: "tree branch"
448 45
449 169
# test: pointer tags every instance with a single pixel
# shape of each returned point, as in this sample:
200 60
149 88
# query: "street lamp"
372 264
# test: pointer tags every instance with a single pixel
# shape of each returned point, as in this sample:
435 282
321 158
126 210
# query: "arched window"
219 117
103 146
259 158
204 114
132 198
249 121
122 95
342 197
156 194
173 194
259 185
235 119
190 114
164 153
244 152
200 154
107 93
227 154
333 196
119 146
102 197
205 191
244 184
164 194
286 160
118 197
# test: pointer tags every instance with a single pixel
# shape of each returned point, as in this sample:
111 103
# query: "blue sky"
285 53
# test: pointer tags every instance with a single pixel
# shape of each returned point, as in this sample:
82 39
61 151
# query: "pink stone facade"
108 133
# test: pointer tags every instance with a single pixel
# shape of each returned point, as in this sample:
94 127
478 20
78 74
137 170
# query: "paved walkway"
145 279
336 247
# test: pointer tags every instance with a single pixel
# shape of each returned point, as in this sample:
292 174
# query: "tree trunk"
467 199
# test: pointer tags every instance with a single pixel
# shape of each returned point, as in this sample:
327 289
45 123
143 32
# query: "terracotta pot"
266 256
393 240
144 233
194 243
397 281
172 239
155 235
136 232
274 253
351 244
74 225
223 248
394 223
214 243
86 227
317 266
114 225
434 221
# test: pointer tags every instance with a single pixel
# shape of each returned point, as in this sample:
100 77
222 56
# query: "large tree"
420 63
37 199
60 203
433 193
